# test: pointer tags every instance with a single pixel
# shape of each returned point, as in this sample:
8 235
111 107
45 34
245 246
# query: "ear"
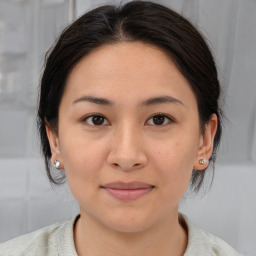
54 145
206 144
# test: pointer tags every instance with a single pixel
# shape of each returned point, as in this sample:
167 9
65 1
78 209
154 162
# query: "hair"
135 21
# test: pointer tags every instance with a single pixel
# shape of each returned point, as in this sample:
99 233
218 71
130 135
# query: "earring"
56 164
202 161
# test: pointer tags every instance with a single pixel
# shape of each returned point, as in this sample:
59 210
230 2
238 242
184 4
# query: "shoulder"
203 243
44 241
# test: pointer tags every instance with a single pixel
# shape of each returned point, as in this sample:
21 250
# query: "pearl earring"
56 164
202 161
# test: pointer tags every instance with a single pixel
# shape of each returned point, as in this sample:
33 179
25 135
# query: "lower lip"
128 194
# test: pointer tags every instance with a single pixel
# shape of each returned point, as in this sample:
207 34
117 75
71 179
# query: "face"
129 136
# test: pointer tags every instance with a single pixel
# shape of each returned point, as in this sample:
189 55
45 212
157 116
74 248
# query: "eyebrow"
148 102
161 100
97 100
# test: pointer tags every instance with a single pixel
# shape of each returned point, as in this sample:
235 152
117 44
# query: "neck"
165 238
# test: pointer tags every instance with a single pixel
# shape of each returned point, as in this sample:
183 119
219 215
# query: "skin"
129 146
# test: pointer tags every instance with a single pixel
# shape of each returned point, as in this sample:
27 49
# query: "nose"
127 151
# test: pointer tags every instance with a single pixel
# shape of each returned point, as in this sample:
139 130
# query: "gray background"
27 201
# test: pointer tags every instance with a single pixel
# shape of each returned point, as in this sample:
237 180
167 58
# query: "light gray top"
58 240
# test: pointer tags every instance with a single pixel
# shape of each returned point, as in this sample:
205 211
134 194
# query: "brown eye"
96 120
159 119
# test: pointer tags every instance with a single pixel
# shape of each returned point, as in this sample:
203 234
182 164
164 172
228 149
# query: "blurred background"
28 202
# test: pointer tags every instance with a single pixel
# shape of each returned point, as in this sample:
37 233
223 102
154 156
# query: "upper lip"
127 185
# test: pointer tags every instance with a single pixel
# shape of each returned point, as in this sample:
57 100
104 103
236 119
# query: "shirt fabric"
58 240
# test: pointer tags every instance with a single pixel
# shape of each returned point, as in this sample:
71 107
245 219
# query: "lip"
127 191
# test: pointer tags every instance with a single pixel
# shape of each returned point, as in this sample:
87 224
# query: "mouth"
127 191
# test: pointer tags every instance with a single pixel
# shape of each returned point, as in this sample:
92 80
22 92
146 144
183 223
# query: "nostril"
126 160
126 166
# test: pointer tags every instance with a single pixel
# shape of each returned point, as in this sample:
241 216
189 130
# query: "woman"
128 107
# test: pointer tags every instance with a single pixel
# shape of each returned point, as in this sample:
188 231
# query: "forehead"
132 69
135 57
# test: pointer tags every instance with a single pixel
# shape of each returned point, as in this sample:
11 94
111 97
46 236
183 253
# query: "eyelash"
85 119
169 118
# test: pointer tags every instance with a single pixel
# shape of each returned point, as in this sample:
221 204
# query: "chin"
131 224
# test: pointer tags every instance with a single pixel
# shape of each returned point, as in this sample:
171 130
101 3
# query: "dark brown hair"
142 21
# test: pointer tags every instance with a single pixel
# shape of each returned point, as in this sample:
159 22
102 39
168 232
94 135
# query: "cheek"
178 153
83 165
174 161
82 158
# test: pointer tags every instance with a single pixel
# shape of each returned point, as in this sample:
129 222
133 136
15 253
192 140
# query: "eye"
160 120
95 120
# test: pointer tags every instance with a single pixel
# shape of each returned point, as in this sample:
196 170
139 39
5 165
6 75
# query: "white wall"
28 202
